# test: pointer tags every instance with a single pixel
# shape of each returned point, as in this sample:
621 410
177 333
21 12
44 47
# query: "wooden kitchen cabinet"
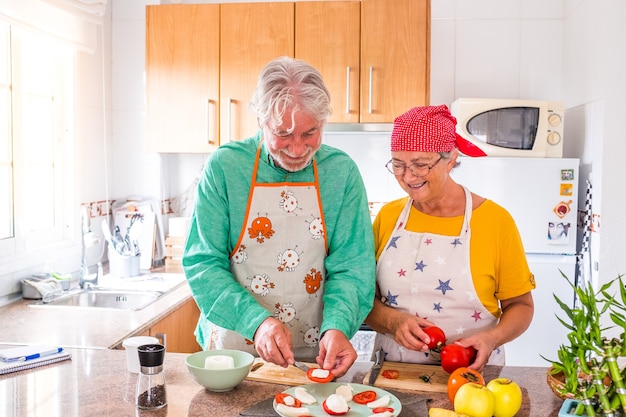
182 78
202 63
395 58
178 328
203 60
327 36
374 55
252 34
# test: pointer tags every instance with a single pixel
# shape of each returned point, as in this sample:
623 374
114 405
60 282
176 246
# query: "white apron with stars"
280 259
429 275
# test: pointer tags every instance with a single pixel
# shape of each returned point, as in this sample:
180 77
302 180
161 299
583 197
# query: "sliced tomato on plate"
391 374
282 398
364 397
382 410
331 412
319 375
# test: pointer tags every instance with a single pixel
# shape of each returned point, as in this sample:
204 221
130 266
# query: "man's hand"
336 353
272 342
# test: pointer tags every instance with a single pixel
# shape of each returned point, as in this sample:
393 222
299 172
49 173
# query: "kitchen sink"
103 298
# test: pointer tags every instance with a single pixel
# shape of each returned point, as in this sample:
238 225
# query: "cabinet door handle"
163 338
348 90
370 86
230 119
209 138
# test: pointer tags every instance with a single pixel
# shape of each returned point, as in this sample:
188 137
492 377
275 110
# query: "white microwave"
508 127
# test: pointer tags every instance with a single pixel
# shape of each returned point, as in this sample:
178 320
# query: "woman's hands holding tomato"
455 356
436 336
408 330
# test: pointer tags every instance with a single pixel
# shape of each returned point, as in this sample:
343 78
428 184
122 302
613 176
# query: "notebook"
18 359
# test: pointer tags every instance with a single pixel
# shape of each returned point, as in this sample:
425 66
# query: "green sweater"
217 222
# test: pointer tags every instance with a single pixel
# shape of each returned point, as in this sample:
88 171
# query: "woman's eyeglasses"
419 170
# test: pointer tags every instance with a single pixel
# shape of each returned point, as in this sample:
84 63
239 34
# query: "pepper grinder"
151 392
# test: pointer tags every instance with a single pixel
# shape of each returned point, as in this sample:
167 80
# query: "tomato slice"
382 410
331 412
314 378
364 397
391 374
282 398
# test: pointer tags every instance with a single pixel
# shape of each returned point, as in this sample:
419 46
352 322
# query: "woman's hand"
406 329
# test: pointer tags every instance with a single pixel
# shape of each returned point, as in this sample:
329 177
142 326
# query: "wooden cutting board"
410 377
268 372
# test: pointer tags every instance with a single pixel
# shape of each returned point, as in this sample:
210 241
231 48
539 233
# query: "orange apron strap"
319 199
252 185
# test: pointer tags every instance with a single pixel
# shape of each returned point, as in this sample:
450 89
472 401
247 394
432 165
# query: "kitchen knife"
301 366
380 358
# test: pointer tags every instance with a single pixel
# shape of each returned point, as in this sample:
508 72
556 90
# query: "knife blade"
380 358
301 366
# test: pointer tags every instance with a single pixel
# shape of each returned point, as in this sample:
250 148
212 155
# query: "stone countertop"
95 382
88 327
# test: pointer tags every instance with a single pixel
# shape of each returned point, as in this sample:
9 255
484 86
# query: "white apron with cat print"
280 259
429 275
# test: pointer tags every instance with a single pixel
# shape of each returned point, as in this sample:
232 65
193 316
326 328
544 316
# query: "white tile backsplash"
442 62
487 60
542 9
488 9
442 9
541 61
129 42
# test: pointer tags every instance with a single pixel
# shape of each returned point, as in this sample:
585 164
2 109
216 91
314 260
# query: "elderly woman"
446 257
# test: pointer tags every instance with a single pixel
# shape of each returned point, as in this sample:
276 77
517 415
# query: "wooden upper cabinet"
327 37
182 78
395 56
203 61
252 34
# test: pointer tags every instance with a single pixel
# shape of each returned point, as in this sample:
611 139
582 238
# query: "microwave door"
508 127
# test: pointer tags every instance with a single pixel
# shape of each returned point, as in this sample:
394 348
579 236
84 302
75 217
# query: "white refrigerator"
542 196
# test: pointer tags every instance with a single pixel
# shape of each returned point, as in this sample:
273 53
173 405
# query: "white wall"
594 90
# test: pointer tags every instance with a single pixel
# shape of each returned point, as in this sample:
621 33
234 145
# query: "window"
36 125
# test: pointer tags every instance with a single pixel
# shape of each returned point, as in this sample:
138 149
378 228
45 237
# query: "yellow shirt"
498 262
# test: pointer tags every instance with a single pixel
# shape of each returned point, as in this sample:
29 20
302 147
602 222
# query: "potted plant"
587 373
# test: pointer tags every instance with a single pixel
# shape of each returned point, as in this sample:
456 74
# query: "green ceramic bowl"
219 379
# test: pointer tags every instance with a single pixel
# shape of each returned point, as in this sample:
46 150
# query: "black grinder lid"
151 355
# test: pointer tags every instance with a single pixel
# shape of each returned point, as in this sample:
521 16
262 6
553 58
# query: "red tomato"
331 412
280 399
364 397
456 356
391 374
462 376
437 337
309 374
382 410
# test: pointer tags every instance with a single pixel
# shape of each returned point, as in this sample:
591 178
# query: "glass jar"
151 391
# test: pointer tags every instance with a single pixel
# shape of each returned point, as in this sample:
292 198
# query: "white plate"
322 391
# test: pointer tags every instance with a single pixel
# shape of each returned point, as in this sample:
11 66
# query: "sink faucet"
88 239
87 280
